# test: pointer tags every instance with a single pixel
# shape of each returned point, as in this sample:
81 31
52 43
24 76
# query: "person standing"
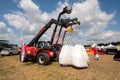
95 52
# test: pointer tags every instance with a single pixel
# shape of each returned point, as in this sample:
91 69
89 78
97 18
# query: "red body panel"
33 51
57 38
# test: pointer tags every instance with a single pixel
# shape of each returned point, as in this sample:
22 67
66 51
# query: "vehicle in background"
101 51
8 49
111 51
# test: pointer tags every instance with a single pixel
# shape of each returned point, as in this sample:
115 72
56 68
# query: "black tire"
10 54
57 57
2 55
116 59
25 59
43 59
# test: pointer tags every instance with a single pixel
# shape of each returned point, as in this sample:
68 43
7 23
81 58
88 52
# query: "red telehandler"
41 51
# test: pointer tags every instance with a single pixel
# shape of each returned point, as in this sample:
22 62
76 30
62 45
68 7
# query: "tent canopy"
111 46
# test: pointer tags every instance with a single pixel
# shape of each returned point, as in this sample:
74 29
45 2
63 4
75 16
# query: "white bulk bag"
65 55
78 59
84 53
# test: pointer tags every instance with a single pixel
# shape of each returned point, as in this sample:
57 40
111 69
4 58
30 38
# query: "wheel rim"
41 59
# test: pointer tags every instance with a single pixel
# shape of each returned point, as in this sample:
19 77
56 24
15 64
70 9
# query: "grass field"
103 69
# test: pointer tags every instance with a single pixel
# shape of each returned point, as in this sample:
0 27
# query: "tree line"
113 43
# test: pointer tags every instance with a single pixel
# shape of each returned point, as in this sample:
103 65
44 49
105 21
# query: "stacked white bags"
79 57
65 55
74 55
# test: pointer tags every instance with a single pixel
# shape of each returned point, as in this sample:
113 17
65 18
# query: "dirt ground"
103 69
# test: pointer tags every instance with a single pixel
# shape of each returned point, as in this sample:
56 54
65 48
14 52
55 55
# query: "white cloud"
106 36
93 20
31 20
7 34
4 29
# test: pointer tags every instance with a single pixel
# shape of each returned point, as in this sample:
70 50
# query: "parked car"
8 49
111 51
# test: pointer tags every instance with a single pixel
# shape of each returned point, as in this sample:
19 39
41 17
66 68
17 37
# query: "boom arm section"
43 30
63 23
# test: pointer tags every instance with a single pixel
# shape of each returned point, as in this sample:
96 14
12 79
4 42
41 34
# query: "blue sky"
92 27
110 6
